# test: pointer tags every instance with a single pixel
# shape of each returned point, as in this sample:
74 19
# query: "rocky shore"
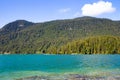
70 77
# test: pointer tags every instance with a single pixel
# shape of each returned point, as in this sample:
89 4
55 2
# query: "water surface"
17 66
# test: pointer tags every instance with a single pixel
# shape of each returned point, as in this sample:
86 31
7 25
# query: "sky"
46 10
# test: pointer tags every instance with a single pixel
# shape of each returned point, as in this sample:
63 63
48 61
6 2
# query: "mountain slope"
16 26
38 37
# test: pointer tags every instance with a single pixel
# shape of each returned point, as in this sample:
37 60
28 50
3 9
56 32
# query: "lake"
15 66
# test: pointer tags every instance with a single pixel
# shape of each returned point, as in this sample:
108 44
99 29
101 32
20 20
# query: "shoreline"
54 54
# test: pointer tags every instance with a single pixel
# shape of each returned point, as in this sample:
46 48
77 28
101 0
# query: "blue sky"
46 10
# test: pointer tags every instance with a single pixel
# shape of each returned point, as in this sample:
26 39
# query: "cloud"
65 10
98 8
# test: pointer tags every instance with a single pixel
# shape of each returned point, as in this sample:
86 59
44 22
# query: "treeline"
91 45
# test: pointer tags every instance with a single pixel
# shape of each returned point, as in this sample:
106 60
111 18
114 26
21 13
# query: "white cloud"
98 8
65 10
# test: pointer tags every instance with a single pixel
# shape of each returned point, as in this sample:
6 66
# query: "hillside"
28 37
16 26
91 45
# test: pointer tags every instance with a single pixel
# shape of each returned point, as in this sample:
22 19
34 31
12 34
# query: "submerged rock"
70 77
33 78
76 77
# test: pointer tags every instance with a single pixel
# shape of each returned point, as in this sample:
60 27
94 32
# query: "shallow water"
58 66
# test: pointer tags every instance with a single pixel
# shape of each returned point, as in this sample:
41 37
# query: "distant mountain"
16 26
26 37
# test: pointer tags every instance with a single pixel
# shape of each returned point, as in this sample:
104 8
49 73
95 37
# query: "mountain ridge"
39 37
16 25
82 18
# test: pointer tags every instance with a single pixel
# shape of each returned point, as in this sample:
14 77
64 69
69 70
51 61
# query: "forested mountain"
15 26
26 37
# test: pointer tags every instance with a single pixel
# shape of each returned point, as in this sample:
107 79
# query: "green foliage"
52 36
93 45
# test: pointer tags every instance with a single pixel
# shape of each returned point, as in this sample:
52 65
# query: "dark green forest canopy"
54 36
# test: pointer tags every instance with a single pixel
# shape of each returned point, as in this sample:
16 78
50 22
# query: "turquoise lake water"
18 66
